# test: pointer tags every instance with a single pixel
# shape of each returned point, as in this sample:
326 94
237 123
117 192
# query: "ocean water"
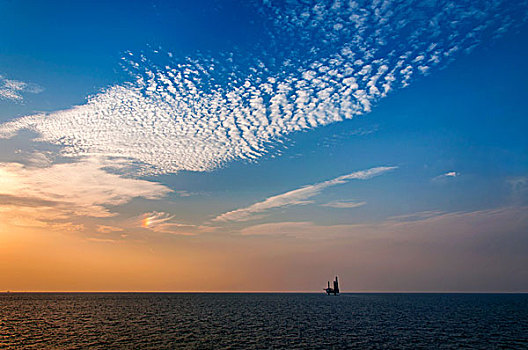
261 321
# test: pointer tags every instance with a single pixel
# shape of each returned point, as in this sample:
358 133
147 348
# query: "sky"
264 145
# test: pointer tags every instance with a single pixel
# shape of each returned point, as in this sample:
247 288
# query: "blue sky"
220 119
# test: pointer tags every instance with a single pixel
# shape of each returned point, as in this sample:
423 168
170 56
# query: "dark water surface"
215 321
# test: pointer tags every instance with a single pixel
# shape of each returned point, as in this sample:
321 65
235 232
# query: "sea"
262 321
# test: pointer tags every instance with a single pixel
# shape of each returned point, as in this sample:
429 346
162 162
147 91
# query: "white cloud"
417 216
40 195
519 188
518 184
287 228
101 240
14 89
39 159
201 112
164 223
183 193
108 229
343 204
38 216
449 174
299 196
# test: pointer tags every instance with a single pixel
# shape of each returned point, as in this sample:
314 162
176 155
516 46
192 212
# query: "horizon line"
262 292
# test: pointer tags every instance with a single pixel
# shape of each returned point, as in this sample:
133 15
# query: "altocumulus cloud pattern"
320 63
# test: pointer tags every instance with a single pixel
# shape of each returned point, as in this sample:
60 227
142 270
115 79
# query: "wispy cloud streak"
162 222
297 197
344 205
445 176
432 225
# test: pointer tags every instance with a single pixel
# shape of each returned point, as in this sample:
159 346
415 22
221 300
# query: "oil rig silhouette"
335 290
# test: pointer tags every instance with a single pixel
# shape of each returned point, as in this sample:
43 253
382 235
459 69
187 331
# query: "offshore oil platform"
335 290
